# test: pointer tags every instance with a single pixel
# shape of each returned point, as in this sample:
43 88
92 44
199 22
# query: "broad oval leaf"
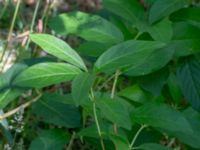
58 48
162 8
126 54
55 109
161 116
53 139
45 74
188 75
115 110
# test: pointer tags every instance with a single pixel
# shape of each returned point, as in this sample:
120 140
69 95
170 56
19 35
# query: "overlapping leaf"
45 74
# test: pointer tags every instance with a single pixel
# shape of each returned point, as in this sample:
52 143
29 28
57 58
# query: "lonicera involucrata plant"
132 82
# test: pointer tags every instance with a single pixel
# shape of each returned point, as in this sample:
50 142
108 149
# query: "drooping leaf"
161 116
188 75
53 139
45 74
81 86
162 8
115 111
153 146
126 54
55 109
58 48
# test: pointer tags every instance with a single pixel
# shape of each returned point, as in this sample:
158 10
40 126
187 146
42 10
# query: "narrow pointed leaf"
45 74
58 48
127 53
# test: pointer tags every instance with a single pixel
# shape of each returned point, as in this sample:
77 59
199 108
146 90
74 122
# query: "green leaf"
45 74
129 10
194 119
100 30
8 95
55 109
134 93
154 82
53 139
161 116
7 77
68 23
89 27
162 31
190 15
163 8
174 88
58 48
153 146
123 54
81 86
115 111
188 74
93 49
4 126
120 143
155 61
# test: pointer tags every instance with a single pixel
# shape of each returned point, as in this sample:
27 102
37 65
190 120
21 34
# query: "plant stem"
12 112
115 83
33 21
96 119
117 73
137 35
136 135
69 147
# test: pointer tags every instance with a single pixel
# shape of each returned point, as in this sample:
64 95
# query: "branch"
12 112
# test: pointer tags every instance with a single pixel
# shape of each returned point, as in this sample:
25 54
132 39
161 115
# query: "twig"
96 119
33 21
69 147
25 105
113 95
